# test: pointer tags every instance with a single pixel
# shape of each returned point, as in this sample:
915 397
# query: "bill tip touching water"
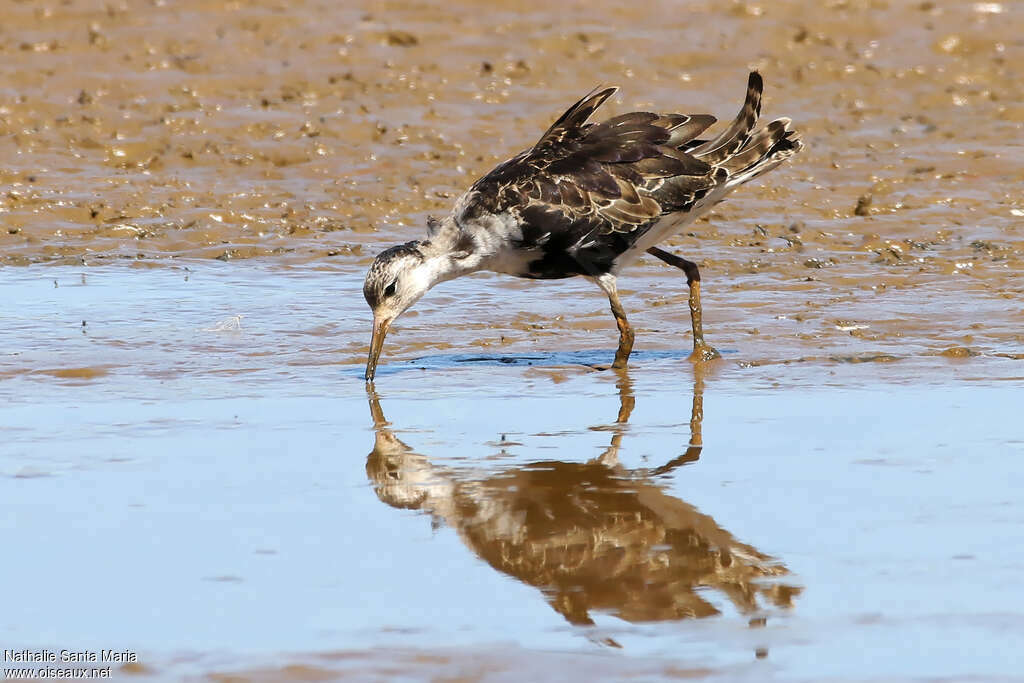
586 200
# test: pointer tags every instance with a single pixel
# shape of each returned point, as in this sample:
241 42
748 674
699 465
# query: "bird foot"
703 352
601 367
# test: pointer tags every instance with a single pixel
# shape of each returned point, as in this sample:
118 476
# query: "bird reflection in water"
592 536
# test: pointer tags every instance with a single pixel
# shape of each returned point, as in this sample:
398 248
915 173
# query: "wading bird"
588 199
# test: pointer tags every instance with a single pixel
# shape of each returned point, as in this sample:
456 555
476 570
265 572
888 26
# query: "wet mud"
318 134
191 191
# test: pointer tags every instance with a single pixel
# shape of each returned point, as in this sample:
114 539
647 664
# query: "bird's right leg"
702 351
607 283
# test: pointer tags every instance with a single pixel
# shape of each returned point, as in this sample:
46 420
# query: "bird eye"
390 289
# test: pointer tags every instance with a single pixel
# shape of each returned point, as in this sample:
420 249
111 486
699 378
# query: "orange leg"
626 335
702 351
607 283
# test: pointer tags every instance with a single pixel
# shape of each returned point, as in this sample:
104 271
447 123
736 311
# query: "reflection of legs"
701 350
697 410
610 457
692 453
626 398
607 283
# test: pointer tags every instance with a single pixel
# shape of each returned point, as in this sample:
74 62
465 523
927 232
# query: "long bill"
380 330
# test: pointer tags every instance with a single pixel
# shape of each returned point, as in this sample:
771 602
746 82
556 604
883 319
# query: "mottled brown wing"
584 179
586 192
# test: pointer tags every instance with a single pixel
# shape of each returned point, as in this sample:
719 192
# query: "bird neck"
450 253
441 268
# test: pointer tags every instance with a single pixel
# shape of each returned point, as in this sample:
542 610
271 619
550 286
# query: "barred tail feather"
733 138
763 151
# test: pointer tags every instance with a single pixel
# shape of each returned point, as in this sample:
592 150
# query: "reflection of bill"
590 536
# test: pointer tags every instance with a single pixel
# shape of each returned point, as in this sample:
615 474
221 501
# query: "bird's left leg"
607 283
702 351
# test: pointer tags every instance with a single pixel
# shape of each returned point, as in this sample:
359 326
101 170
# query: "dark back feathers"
622 175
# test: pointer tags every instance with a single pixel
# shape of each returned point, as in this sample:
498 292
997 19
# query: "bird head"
401 275
397 279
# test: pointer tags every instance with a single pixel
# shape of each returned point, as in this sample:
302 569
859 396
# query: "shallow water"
198 475
191 466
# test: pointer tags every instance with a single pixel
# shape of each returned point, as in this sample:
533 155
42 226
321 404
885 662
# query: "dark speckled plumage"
586 192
